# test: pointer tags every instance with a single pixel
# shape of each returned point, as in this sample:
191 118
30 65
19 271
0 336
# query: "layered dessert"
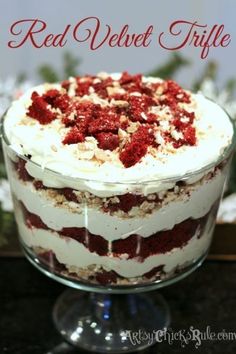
116 178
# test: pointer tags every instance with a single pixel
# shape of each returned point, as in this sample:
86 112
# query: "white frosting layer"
72 253
214 131
113 227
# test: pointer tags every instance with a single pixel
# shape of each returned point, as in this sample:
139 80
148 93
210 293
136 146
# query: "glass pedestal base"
110 323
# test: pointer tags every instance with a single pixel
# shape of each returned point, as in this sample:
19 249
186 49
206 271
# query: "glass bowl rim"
170 179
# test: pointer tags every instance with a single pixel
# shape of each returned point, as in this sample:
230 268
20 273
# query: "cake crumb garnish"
128 116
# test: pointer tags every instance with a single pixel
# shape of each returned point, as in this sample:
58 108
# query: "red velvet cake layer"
134 246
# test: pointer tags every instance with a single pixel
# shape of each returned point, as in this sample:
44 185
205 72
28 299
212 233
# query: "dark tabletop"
205 298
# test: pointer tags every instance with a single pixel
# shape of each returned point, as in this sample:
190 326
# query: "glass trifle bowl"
116 182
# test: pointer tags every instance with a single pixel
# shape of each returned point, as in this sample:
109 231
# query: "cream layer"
72 253
112 227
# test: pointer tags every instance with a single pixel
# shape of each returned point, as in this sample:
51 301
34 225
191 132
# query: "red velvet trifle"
116 179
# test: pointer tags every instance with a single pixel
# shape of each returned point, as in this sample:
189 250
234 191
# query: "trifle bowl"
116 181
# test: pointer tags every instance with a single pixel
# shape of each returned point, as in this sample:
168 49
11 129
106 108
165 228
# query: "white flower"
5 195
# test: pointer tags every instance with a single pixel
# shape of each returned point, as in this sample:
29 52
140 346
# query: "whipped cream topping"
44 142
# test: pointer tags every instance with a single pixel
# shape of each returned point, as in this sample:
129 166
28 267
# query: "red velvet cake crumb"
107 141
101 87
132 153
69 194
133 83
74 136
137 147
106 123
65 84
144 135
50 96
82 86
138 107
62 102
39 109
127 78
190 135
174 93
179 114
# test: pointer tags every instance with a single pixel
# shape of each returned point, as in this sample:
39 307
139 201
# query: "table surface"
205 298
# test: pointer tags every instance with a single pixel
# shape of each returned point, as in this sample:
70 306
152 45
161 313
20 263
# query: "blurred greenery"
21 78
169 69
210 72
70 65
2 169
231 87
47 73
7 227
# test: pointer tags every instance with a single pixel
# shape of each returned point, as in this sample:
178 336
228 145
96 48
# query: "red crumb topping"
107 121
74 136
137 147
39 109
190 135
57 100
83 85
65 84
101 87
138 107
107 141
174 94
133 153
101 105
